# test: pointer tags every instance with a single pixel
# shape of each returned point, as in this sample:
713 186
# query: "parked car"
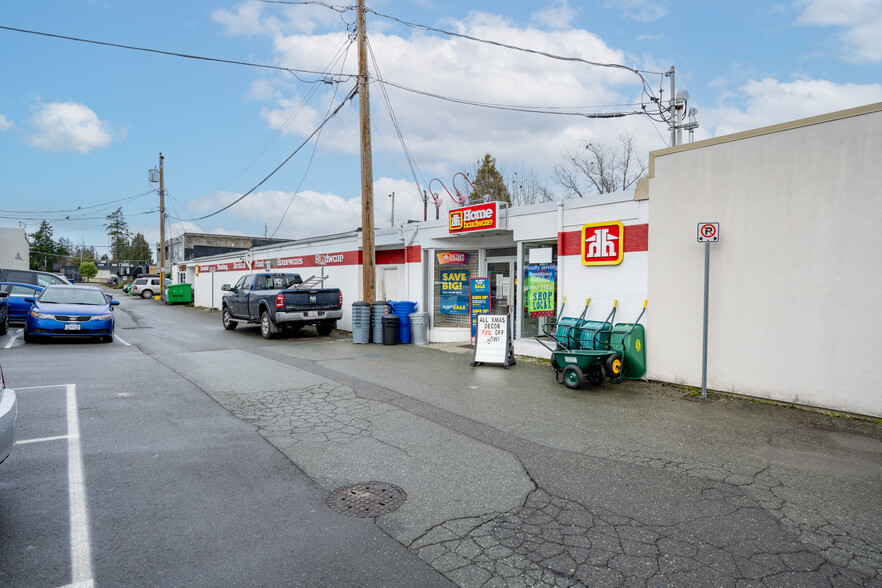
4 312
145 287
34 277
70 311
16 296
8 412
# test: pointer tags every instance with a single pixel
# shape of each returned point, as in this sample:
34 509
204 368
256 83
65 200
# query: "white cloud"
640 10
558 15
860 21
5 124
249 19
327 213
770 101
439 132
70 126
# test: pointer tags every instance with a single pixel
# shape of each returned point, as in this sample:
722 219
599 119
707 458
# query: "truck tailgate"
312 299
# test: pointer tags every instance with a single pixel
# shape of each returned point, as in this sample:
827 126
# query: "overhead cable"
183 55
351 95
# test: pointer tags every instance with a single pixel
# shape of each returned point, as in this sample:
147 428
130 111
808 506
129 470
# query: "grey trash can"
361 322
379 309
419 328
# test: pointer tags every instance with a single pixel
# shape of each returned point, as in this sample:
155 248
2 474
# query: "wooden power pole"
368 267
161 229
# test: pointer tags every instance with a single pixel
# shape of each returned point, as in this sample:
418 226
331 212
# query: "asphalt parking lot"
510 478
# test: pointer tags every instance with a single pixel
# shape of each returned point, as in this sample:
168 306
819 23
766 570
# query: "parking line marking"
80 547
12 340
120 339
27 441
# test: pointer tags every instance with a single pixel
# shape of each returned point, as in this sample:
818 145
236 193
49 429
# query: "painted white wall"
14 250
794 280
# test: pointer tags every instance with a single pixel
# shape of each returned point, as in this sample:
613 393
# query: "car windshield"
73 296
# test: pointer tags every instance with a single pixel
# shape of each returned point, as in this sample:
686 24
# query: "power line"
340 54
411 162
80 208
314 149
68 218
647 89
351 95
290 70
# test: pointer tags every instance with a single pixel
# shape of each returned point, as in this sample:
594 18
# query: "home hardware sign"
480 217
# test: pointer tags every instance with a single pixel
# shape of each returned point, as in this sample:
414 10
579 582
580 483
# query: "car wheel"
229 323
4 326
28 338
324 329
267 328
108 338
147 294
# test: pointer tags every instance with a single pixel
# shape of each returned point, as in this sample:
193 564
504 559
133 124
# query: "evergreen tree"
489 182
139 250
118 231
43 248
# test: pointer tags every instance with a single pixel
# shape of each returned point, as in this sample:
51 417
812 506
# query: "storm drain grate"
367 499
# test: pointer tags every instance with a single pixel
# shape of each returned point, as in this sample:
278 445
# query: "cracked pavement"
513 480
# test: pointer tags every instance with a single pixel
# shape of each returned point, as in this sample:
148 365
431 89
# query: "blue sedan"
4 312
18 293
70 311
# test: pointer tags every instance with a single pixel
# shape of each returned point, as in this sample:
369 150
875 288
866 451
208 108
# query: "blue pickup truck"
279 301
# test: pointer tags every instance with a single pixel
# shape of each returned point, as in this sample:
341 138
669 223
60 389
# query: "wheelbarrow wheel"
573 377
596 377
614 366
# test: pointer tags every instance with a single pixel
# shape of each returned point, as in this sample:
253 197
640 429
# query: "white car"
8 412
145 287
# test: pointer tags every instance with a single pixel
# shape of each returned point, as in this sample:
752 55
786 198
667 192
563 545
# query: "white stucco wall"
14 250
794 280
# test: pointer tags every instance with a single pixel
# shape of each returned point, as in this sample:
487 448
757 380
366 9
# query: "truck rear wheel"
324 329
267 327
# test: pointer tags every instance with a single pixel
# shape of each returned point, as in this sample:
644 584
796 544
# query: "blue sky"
81 124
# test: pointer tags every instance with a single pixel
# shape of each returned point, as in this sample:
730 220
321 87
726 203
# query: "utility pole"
672 74
368 255
161 228
392 196
425 206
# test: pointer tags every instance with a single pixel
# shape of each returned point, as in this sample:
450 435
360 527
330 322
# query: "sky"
267 110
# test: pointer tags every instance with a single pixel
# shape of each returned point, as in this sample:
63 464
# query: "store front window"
453 269
540 287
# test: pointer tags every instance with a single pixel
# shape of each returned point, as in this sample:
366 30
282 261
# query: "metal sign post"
707 233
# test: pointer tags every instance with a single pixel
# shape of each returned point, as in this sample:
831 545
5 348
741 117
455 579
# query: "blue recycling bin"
403 309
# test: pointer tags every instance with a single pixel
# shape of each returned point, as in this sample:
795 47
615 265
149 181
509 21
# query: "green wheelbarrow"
616 354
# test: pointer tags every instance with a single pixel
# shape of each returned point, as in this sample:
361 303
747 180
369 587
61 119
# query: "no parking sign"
708 232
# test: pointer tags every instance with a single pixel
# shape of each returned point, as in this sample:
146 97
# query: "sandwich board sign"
493 340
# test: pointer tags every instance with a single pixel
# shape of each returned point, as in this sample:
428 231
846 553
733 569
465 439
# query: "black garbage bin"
390 329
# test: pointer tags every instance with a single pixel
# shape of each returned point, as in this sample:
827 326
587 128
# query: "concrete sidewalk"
514 480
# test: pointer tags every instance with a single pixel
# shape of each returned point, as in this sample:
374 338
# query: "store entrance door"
502 286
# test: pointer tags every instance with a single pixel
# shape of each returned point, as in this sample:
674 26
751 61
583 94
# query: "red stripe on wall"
397 256
636 239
